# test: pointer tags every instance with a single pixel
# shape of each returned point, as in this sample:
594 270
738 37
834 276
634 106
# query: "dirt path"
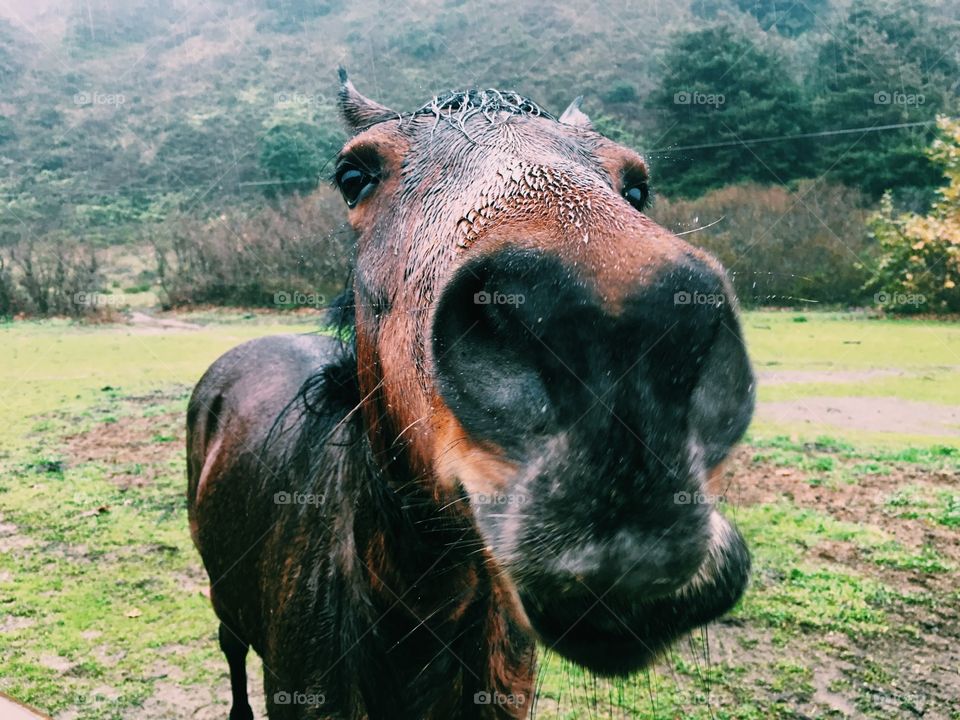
877 414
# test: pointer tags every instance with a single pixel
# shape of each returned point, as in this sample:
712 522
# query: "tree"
295 154
920 261
719 90
7 132
204 158
888 65
787 17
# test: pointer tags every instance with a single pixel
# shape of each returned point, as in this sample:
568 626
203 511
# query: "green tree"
889 64
295 154
622 92
7 131
787 17
719 91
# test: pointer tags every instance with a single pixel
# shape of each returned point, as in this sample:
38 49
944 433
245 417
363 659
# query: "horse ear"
573 115
359 112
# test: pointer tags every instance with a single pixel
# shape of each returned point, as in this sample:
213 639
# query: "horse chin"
616 635
595 640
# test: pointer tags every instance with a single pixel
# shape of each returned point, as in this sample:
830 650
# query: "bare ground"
913 671
876 414
134 449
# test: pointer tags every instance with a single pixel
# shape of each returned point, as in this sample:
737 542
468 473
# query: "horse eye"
637 195
355 184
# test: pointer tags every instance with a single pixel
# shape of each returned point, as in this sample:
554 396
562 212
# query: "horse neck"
444 630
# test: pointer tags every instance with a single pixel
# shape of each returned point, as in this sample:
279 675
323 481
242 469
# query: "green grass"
97 555
933 386
787 590
58 366
72 588
924 355
842 341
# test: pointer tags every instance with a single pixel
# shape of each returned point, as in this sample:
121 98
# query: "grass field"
846 488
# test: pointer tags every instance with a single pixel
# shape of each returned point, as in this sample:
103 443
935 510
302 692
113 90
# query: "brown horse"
507 440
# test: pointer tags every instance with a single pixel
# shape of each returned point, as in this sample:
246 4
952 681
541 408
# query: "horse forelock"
460 105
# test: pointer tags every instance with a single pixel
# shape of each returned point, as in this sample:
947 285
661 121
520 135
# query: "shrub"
49 277
780 247
920 260
295 154
301 247
622 92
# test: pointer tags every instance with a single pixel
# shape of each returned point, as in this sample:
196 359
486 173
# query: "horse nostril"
678 315
484 333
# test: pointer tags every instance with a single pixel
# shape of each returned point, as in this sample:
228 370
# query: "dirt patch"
106 655
11 540
135 450
785 377
876 414
56 662
142 320
867 501
739 645
174 699
911 671
12 623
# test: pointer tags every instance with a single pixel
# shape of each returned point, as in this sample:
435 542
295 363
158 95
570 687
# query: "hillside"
117 111
116 115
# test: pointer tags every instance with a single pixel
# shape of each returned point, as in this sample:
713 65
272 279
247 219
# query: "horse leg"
235 650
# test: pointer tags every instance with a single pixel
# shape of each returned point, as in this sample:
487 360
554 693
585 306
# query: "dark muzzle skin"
613 420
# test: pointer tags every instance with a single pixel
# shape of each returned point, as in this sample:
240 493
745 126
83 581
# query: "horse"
505 436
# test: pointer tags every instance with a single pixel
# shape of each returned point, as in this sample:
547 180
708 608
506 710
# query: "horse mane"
465 103
458 106
325 398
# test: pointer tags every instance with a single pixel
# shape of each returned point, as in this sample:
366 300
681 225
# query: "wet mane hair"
337 380
458 106
454 106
